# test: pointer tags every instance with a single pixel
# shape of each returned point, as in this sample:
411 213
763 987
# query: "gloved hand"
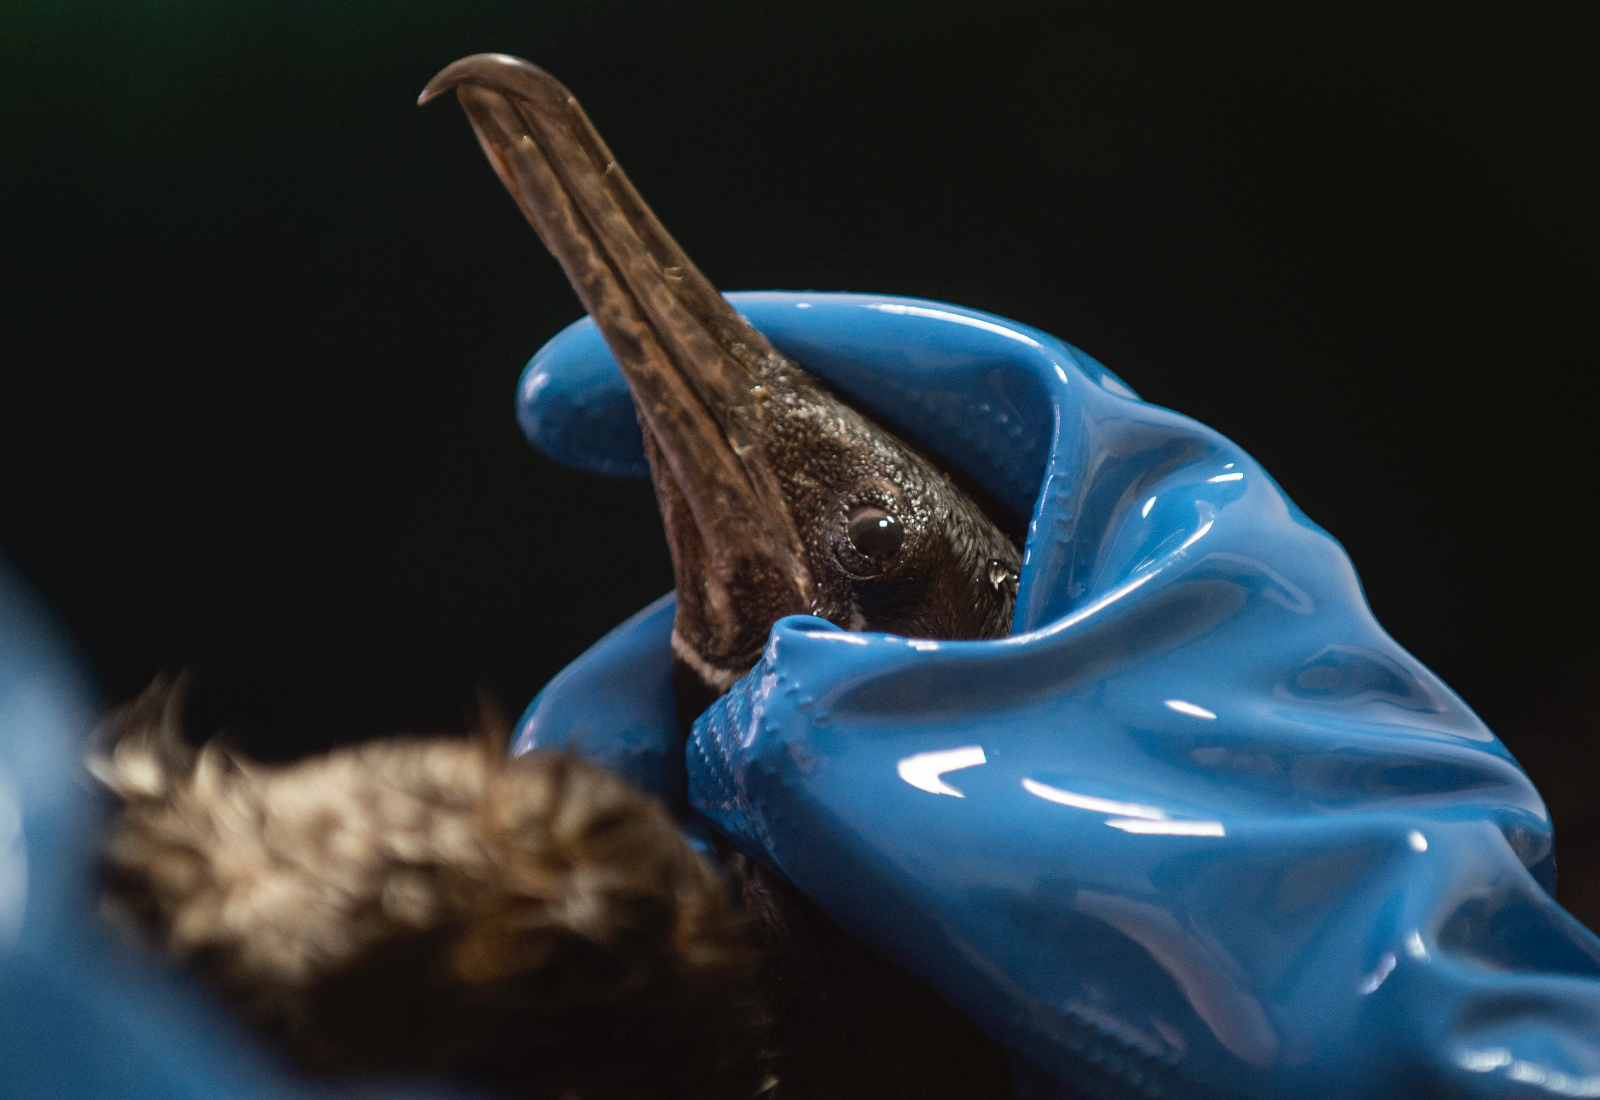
1198 827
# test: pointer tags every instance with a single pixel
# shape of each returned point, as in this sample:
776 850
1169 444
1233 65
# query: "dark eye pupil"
875 533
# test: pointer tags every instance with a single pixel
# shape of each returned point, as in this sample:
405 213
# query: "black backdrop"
262 317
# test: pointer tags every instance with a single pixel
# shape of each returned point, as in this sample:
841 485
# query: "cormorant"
423 905
778 498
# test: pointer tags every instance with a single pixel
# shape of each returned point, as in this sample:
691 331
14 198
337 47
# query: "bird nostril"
875 533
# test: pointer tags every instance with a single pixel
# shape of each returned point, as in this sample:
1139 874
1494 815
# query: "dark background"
262 317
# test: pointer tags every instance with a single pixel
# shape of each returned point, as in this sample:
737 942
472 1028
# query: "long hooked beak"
694 365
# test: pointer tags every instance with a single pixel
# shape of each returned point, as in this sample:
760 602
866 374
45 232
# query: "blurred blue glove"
82 1017
1198 828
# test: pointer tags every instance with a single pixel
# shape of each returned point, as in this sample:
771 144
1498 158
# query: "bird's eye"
875 533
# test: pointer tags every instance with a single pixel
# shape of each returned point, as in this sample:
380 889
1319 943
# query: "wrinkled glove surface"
1199 827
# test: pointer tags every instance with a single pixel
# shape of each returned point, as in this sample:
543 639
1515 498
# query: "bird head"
778 498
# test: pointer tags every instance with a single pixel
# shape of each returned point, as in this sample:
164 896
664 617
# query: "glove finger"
613 705
574 407
962 384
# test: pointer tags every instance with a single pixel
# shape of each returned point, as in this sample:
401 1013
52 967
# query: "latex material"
628 673
80 1017
1199 828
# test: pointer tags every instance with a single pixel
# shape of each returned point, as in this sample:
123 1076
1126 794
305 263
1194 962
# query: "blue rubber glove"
1199 827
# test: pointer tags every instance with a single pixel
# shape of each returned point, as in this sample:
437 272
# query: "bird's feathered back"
428 905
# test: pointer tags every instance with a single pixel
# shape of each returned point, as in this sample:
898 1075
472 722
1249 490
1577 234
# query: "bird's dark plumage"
428 905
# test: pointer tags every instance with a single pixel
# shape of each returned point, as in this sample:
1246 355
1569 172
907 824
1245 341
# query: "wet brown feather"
429 905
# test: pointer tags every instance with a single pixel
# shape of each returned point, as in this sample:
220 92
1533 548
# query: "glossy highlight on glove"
1198 827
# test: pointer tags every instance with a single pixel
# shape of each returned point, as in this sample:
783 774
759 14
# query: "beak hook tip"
437 86
498 72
